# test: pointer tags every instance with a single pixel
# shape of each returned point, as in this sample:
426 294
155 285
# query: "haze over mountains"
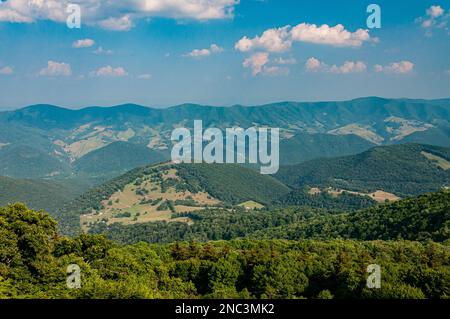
327 150
55 140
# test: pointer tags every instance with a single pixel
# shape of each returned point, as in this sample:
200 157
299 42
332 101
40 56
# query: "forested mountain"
34 260
421 218
117 158
303 147
37 194
155 192
426 217
404 170
65 138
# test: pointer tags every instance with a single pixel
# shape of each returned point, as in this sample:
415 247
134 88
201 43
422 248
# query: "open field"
149 199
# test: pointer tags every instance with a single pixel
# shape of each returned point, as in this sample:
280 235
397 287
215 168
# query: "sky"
161 53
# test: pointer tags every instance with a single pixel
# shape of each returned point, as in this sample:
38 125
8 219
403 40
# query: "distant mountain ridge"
308 131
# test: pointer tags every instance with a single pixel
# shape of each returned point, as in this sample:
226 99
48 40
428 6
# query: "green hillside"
154 192
34 259
422 218
46 195
233 183
426 217
62 137
400 169
303 147
117 158
23 161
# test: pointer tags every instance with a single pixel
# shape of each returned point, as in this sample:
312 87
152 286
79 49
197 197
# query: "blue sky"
215 52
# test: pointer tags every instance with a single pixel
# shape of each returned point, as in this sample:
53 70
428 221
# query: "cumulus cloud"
402 67
56 69
335 36
109 71
435 11
116 15
281 39
200 53
272 40
84 43
260 63
7 70
256 62
315 65
435 18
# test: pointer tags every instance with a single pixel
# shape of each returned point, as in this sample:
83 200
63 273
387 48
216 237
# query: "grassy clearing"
147 200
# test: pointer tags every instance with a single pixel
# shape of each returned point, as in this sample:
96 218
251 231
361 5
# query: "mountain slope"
39 195
156 192
117 158
68 135
303 147
400 169
23 161
422 218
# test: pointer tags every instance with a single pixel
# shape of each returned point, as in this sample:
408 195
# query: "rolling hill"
303 147
418 219
308 130
36 194
421 218
117 158
156 192
404 170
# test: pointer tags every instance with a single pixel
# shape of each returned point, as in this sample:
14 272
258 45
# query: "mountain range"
45 141
104 164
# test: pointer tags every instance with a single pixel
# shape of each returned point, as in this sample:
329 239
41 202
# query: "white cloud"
272 40
378 68
315 65
123 23
7 70
145 76
435 18
216 49
56 69
201 53
260 63
349 67
402 67
435 11
109 71
281 39
116 15
100 50
335 36
256 62
84 43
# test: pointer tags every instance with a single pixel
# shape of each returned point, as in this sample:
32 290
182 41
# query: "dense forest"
421 218
34 260
400 169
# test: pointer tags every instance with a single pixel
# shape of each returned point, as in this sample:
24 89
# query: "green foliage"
232 183
117 158
345 201
399 169
33 262
423 218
